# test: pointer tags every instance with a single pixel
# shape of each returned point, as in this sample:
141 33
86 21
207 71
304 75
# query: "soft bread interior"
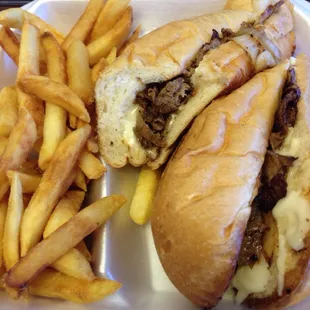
203 201
255 6
295 266
156 57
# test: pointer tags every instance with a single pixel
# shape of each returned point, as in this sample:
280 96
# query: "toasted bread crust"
203 200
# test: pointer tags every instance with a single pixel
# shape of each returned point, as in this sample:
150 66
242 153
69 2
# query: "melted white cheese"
292 215
249 280
129 125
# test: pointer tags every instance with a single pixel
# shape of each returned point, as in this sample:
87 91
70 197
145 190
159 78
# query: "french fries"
9 43
58 243
91 165
54 284
80 180
79 73
29 55
109 16
8 110
84 250
20 143
35 106
52 186
85 24
142 202
115 37
29 181
3 144
3 211
56 93
98 68
135 35
15 18
54 130
72 263
112 55
11 250
92 145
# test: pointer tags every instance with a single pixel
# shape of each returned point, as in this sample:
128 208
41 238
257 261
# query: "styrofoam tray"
122 250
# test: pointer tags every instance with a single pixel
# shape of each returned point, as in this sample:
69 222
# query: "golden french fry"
30 182
54 284
58 243
79 73
3 211
20 143
109 16
53 185
72 263
29 54
135 35
56 93
11 250
112 55
84 250
3 144
9 43
102 46
142 202
73 121
98 68
91 165
67 207
92 145
35 106
15 18
54 130
80 180
85 24
8 110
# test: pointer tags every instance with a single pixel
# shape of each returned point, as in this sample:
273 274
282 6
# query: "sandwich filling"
159 103
273 196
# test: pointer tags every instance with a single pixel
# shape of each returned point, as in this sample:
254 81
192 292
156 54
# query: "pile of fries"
49 151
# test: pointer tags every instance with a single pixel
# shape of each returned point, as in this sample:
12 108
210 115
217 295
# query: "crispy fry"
21 141
73 121
142 202
112 55
102 46
54 130
109 16
15 18
3 144
11 251
3 211
9 43
79 73
58 243
92 145
98 68
135 35
53 184
55 93
30 182
85 24
35 106
72 263
84 250
80 180
29 54
91 165
8 110
54 284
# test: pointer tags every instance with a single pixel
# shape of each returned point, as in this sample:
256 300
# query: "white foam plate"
122 250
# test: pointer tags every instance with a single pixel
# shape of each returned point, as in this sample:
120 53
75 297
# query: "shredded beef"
159 100
252 243
270 10
287 112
